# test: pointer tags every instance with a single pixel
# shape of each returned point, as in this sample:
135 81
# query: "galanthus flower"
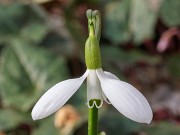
101 85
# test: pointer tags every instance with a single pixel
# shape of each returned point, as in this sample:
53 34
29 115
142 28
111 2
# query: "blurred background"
42 43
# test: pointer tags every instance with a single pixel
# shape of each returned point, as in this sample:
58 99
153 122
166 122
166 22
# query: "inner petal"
94 90
105 98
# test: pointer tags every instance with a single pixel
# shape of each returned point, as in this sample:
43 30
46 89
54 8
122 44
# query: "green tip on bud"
92 50
95 13
89 14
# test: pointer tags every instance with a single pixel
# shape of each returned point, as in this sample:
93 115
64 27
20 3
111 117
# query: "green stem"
93 118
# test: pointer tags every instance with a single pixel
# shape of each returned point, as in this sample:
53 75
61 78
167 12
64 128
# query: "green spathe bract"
92 50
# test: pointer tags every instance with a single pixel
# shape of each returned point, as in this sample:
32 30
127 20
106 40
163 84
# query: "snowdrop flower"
100 86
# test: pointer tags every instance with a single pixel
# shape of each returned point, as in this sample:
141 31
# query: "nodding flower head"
101 85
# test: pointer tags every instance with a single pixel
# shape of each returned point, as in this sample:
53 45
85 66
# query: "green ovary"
92 53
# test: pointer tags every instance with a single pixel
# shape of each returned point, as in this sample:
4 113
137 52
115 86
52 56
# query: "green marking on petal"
98 102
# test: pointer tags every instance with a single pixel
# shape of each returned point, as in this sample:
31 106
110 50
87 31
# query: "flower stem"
93 118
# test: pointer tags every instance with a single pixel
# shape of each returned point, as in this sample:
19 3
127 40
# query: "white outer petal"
56 97
112 77
125 98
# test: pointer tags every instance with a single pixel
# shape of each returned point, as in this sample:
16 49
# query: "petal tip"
35 115
34 119
145 121
148 122
150 119
149 116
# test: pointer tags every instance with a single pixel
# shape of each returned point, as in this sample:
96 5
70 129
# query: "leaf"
116 60
129 19
116 21
113 123
79 99
163 128
142 20
17 18
27 71
170 12
9 119
34 32
174 65
117 55
9 23
46 127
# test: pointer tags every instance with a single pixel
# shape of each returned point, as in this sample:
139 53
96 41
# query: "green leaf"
116 21
170 12
129 19
34 32
11 20
142 20
113 123
16 18
114 59
116 55
79 99
9 119
174 65
27 71
46 127
163 128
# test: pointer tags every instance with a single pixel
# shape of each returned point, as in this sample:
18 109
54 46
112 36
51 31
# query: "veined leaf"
21 19
9 119
170 12
129 19
113 123
116 21
27 71
163 128
174 65
142 20
46 127
115 54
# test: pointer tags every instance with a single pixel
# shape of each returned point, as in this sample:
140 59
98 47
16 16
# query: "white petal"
56 97
125 98
94 90
112 77
105 98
